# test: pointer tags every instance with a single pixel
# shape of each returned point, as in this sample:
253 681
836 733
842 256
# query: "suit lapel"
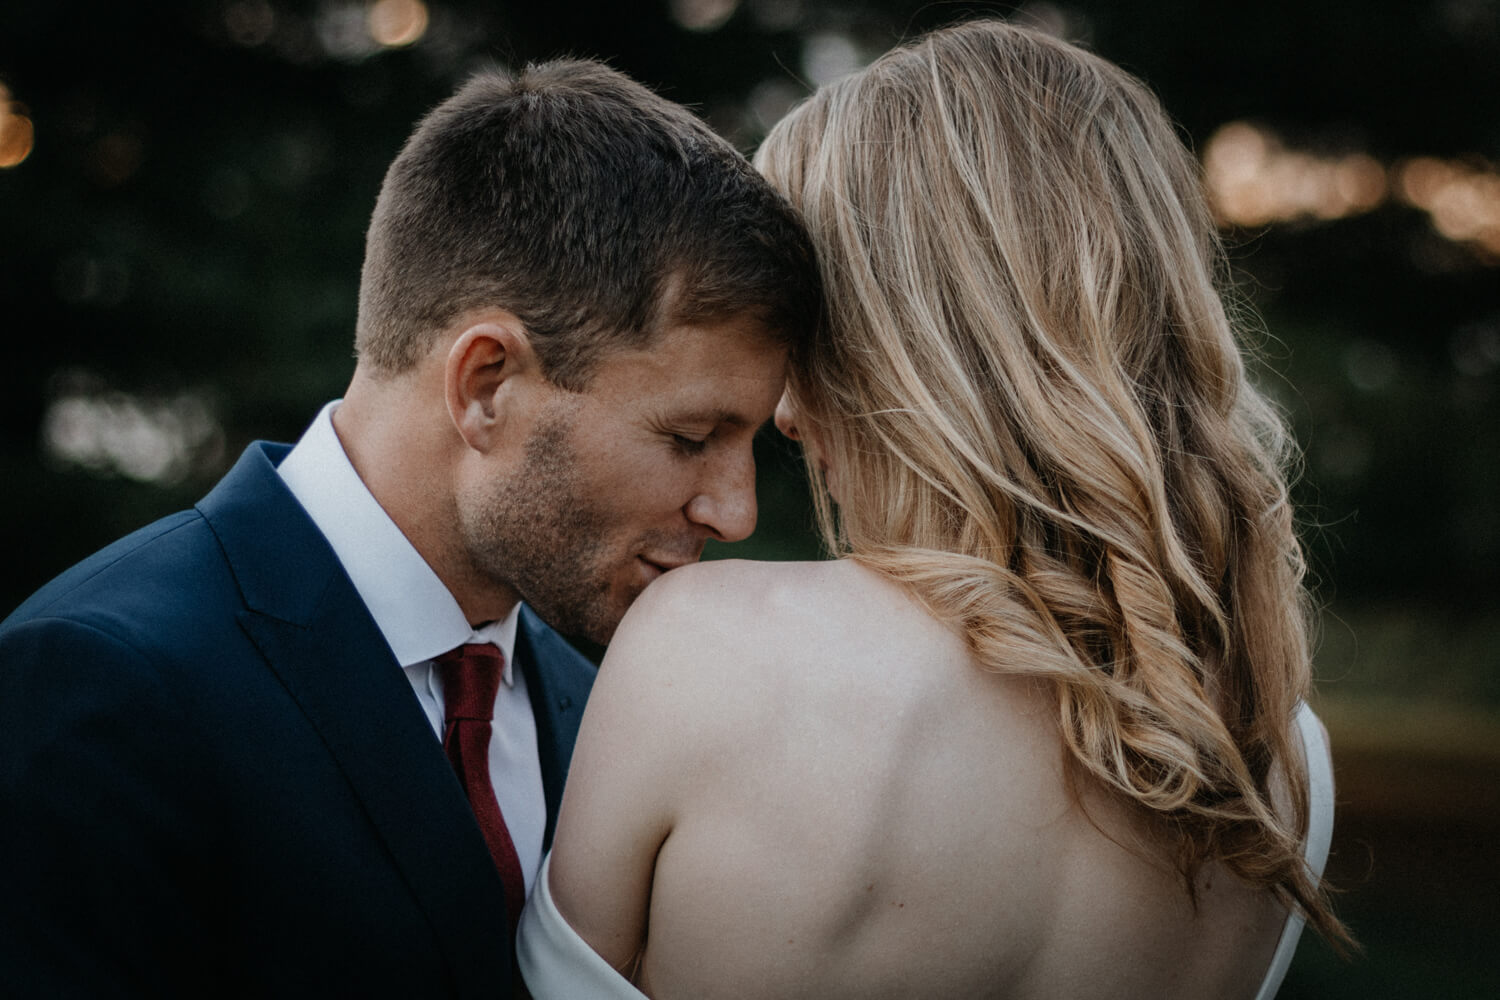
315 633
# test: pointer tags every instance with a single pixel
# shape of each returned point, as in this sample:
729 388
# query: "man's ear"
488 369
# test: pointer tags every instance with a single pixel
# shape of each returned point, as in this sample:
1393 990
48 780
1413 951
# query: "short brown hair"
590 207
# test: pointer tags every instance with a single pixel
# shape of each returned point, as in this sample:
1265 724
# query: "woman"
1039 732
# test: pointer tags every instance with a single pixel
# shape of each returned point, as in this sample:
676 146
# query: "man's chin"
588 627
595 623
602 624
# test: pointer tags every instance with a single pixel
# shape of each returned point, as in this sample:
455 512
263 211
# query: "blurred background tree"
184 188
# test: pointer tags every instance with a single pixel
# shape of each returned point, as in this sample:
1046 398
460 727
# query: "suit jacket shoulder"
218 765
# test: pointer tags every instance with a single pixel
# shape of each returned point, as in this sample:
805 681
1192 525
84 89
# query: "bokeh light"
1463 199
1253 179
343 31
397 23
703 15
828 55
156 440
771 99
16 132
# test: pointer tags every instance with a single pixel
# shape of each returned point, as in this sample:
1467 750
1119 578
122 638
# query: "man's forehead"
720 373
747 327
730 347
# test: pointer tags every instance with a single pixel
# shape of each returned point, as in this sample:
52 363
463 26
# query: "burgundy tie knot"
471 678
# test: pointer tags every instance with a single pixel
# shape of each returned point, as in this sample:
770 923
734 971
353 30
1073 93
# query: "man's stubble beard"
539 534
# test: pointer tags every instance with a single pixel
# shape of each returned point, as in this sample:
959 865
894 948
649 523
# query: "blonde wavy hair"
1038 411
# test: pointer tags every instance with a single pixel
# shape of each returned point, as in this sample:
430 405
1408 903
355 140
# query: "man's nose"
786 418
726 503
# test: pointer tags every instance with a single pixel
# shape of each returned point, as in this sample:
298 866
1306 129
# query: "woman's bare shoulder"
731 625
740 579
798 602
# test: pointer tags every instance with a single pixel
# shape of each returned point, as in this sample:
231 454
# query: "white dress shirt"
420 619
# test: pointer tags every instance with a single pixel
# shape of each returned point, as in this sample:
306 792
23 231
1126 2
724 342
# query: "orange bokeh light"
1254 180
396 23
17 134
1463 199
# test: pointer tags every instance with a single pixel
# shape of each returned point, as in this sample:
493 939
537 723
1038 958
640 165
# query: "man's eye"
687 445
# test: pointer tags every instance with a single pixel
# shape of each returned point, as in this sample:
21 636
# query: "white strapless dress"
555 962
1319 837
558 965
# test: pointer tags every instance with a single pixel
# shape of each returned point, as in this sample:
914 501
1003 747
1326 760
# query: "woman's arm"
630 770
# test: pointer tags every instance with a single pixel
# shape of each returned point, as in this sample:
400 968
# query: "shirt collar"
414 611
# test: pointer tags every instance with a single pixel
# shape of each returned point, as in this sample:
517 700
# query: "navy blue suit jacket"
215 779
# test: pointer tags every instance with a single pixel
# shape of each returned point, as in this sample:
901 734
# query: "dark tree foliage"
186 235
191 219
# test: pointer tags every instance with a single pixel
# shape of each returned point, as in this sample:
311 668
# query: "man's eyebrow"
714 415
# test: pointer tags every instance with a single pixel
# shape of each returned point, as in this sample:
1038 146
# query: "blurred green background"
184 188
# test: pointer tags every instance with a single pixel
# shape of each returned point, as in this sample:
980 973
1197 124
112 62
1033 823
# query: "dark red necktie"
471 677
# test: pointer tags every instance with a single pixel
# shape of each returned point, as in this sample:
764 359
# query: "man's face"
630 477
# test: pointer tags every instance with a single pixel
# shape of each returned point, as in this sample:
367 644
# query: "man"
237 750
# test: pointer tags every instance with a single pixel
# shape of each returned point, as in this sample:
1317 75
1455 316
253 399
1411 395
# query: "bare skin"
805 787
514 488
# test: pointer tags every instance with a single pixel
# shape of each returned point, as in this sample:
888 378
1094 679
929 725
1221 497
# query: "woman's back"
848 806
